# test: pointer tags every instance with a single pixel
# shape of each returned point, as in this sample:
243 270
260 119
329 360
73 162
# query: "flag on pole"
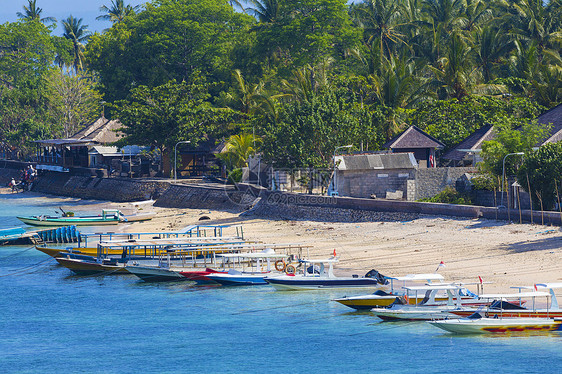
441 265
481 282
334 252
535 287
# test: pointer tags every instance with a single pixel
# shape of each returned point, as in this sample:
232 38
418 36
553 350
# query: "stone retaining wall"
431 181
204 197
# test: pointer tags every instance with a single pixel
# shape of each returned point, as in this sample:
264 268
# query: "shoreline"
499 252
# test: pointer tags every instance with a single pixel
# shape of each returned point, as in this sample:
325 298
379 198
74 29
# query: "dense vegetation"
305 76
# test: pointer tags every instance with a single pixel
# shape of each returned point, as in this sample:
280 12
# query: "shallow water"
53 321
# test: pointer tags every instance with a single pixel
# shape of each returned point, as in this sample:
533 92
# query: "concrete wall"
431 181
112 189
364 183
205 197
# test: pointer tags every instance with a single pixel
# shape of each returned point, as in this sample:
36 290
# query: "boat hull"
70 221
412 314
289 283
237 279
515 313
155 274
498 325
85 267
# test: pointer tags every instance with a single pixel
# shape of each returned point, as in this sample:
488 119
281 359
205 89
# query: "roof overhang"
62 142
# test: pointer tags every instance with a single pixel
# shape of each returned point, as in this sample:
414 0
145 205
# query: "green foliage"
169 39
27 52
73 99
235 176
510 139
238 149
449 196
451 121
308 131
543 167
484 182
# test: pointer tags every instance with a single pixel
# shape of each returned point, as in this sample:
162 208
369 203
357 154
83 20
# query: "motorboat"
315 276
494 321
428 309
107 217
476 324
247 269
516 309
382 298
88 265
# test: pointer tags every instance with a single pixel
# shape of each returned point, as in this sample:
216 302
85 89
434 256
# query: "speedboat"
429 308
315 276
383 298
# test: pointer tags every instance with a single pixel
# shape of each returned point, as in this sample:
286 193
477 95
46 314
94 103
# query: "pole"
503 172
176 157
335 179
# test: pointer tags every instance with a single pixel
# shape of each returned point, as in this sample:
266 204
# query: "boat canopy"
437 287
419 277
332 260
550 285
514 295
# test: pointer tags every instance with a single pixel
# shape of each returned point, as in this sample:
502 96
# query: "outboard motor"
376 275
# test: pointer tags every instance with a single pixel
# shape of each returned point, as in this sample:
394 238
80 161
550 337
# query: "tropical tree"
266 11
238 149
78 34
541 173
33 12
117 11
73 99
381 21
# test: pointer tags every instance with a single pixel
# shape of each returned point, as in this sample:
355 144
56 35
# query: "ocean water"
52 321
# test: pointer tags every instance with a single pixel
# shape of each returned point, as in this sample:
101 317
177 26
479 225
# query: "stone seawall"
204 197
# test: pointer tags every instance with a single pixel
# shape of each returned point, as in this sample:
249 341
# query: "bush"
449 196
235 176
484 182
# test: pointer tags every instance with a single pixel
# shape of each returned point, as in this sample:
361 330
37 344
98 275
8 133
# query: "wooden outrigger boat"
87 265
108 217
497 322
515 310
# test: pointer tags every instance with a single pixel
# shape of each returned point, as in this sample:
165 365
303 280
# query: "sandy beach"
501 253
504 254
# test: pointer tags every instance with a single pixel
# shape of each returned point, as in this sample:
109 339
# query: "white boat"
476 324
428 309
315 276
248 268
496 322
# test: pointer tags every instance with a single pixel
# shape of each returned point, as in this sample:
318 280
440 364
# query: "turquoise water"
53 321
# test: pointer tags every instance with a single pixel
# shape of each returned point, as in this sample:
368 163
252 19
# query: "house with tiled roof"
467 152
416 141
91 147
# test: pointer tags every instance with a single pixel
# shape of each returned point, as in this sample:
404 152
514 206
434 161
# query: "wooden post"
519 206
530 197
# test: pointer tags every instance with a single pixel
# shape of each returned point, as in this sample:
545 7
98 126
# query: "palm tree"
33 12
117 11
266 11
493 47
78 33
381 20
238 149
